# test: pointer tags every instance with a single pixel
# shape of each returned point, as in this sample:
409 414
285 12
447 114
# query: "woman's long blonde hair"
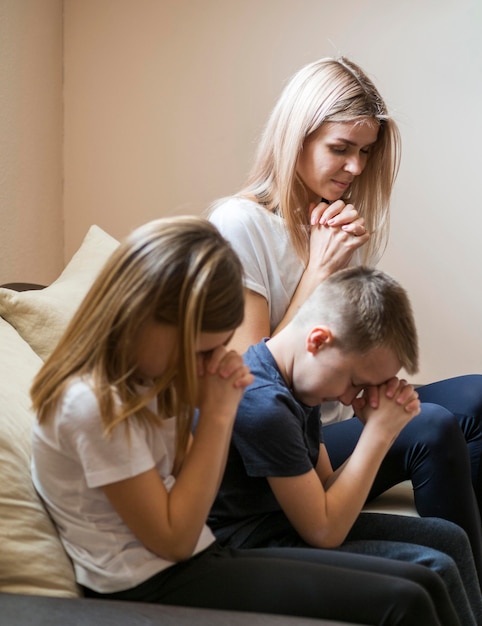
327 90
178 271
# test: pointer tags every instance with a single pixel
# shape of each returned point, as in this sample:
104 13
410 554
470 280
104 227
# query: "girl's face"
334 155
156 347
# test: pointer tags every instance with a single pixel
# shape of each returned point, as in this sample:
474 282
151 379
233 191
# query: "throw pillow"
32 559
41 316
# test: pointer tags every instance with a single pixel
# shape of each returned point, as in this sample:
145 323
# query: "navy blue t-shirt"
274 435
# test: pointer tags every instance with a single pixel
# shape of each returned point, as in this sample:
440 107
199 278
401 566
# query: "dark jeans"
440 451
302 582
436 543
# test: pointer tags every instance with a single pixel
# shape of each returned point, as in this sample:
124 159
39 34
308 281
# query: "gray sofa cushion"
22 610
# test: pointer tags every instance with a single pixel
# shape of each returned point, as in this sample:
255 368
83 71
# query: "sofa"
37 584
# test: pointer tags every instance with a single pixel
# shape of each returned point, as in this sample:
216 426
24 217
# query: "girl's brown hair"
179 271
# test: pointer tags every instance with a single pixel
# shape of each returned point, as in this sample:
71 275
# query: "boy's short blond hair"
366 308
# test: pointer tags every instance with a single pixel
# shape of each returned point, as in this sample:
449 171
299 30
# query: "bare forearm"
322 505
348 488
169 520
198 482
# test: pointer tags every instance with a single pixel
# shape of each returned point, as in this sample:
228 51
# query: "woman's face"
334 155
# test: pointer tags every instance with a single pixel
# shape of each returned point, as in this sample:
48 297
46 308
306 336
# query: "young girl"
130 488
317 200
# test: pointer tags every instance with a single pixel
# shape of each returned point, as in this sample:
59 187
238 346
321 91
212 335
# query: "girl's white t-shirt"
72 459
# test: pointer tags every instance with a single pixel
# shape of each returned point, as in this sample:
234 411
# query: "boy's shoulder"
268 398
263 366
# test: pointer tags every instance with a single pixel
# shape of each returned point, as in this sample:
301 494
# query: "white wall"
164 101
31 225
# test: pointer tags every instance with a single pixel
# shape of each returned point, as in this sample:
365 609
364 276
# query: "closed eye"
204 353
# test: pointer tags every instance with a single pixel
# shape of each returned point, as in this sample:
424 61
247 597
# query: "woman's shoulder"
236 217
240 209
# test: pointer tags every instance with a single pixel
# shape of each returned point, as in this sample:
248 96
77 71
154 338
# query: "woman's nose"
354 165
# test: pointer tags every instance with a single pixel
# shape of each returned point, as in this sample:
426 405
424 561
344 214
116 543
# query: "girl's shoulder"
79 388
76 417
78 402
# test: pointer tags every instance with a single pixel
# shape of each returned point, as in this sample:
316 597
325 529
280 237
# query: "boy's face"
330 374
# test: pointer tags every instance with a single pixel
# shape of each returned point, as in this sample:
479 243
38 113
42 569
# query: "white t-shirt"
261 241
271 265
72 459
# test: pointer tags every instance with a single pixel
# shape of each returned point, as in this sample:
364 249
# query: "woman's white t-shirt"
260 238
271 265
72 459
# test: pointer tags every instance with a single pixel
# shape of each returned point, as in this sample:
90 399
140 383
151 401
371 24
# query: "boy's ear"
318 338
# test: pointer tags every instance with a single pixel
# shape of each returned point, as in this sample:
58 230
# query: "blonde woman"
317 200
130 488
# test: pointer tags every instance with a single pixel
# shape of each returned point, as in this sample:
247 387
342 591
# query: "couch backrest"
32 559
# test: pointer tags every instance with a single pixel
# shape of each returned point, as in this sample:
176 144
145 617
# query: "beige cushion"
32 559
42 316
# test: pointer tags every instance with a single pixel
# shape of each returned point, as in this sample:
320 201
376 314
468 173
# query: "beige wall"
31 227
164 101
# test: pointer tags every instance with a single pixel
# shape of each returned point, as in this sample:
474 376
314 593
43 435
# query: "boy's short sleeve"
273 434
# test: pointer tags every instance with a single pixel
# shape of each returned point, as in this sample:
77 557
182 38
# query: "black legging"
440 451
462 396
302 582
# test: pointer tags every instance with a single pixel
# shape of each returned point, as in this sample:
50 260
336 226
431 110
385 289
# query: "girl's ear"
318 338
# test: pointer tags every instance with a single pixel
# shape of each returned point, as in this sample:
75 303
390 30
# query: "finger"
214 359
341 236
391 387
347 216
244 379
339 213
356 227
372 396
316 212
405 393
413 407
230 364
